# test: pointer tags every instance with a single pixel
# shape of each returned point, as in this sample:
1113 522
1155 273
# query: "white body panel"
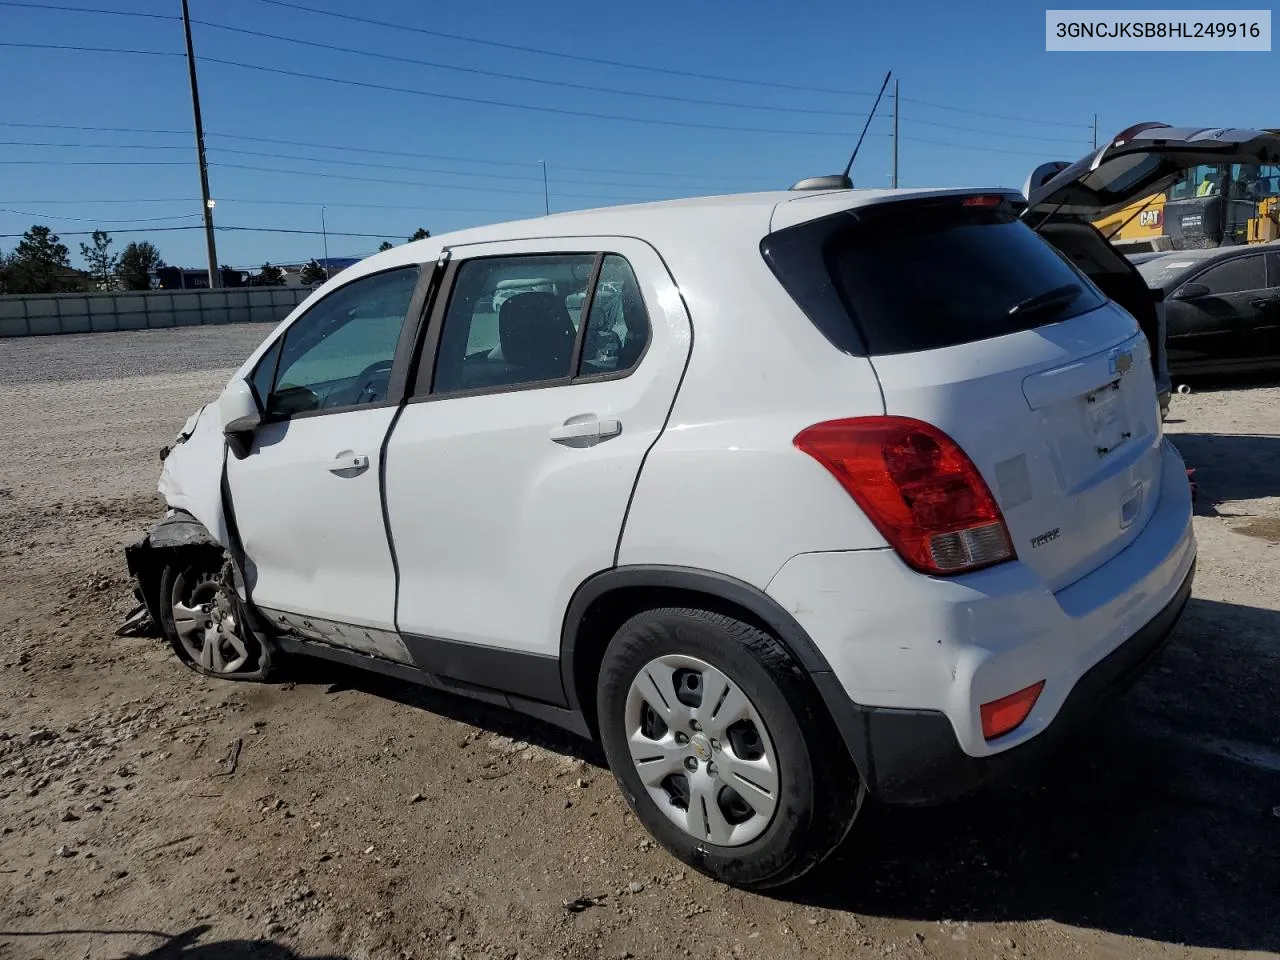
191 479
899 639
725 489
1033 410
315 540
495 524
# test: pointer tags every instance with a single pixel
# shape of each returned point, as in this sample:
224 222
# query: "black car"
1222 307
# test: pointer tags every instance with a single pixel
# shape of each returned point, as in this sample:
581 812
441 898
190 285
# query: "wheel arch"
607 600
177 531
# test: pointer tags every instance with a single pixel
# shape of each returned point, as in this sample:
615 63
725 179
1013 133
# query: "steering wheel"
376 375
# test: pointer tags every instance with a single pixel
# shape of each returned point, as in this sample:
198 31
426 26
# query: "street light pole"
207 203
325 232
546 198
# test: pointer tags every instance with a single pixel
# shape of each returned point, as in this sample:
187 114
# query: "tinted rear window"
918 275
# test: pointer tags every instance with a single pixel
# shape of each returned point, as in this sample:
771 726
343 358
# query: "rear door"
1269 318
1226 325
509 472
975 324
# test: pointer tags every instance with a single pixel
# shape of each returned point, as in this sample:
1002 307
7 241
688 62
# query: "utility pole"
204 165
546 198
896 109
1095 131
325 232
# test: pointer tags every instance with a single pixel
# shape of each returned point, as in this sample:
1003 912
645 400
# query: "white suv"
868 491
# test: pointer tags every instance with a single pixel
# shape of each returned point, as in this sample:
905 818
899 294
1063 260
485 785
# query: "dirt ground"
147 812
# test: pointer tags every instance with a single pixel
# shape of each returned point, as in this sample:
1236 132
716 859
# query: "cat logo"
1150 218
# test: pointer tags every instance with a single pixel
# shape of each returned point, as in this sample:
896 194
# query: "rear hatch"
977 326
1145 159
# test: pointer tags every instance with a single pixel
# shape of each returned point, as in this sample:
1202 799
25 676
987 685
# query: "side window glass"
1273 269
512 321
264 374
340 352
1242 273
618 326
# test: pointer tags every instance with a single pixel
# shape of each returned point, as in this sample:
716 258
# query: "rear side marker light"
1007 713
917 487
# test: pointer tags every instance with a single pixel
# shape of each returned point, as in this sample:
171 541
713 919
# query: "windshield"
913 276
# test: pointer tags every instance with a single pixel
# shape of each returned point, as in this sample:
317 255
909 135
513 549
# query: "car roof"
1167 269
704 219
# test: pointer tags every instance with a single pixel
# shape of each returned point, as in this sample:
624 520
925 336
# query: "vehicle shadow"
1230 466
186 945
1157 822
476 713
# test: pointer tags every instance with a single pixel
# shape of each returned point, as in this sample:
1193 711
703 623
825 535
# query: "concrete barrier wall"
54 313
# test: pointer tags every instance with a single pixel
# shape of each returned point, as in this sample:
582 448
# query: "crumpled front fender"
191 480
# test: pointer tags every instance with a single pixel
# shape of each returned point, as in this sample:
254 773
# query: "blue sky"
473 163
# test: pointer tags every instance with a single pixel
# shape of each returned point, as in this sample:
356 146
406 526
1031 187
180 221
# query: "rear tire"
204 621
694 704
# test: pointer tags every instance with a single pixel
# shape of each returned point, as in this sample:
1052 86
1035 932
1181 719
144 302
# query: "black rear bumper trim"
914 757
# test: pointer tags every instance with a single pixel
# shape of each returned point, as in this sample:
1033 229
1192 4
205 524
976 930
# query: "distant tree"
420 234
137 262
99 260
4 272
269 276
40 264
385 245
311 273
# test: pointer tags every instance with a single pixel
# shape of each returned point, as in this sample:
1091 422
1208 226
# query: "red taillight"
1001 716
918 488
992 200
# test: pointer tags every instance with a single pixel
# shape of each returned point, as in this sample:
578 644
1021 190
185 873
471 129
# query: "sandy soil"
366 819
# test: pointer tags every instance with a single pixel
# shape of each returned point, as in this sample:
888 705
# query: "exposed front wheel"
721 748
204 622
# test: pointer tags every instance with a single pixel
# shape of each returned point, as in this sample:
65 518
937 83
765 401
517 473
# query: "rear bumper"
913 658
913 756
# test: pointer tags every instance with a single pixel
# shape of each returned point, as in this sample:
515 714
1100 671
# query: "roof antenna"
841 181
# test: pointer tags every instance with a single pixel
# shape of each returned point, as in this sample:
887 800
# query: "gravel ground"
147 812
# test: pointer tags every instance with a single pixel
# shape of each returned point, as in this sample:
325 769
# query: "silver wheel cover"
705 757
206 624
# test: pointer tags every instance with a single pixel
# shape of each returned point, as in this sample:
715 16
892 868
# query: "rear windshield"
918 275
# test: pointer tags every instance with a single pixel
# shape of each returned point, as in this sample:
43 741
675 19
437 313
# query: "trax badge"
1121 362
1045 537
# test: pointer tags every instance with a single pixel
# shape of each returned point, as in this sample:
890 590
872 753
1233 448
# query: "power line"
688 74
484 101
200 226
93 146
47 216
98 163
432 208
523 164
418 183
476 71
453 173
80 49
455 98
400 27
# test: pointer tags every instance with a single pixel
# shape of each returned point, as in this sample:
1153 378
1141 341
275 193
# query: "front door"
510 470
1221 326
306 497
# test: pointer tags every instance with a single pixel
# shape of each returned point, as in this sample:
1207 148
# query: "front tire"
204 621
722 748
